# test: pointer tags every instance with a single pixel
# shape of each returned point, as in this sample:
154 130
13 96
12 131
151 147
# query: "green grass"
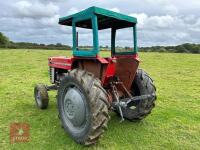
173 124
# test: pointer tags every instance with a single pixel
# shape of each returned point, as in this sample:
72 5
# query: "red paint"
110 71
100 59
135 56
67 63
61 62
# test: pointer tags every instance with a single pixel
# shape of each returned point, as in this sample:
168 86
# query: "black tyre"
142 85
41 96
83 106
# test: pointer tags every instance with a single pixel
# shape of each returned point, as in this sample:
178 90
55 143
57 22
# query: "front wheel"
83 107
41 96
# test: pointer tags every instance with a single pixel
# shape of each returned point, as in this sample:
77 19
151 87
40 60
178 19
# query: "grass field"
173 124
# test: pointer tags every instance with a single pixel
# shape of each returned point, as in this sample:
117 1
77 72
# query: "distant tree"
58 45
4 41
162 49
192 48
187 46
181 49
195 49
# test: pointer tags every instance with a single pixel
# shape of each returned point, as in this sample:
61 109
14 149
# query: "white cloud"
158 2
181 35
35 9
153 22
141 18
160 22
51 21
167 29
115 9
71 11
171 9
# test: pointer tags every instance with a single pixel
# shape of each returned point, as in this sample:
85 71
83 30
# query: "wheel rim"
38 98
74 109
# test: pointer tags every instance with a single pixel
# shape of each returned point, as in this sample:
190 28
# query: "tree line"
6 43
183 48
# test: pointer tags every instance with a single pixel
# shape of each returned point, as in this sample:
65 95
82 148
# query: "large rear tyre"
83 106
142 85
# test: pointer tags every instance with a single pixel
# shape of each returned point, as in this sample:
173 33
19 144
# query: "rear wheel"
83 107
142 85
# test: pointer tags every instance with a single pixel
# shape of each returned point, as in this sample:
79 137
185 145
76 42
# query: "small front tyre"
41 96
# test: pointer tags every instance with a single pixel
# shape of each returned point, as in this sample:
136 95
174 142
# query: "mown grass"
173 124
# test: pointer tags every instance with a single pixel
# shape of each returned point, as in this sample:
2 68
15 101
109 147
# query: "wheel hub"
74 107
38 98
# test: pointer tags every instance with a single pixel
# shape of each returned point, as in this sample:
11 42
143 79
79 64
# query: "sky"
160 22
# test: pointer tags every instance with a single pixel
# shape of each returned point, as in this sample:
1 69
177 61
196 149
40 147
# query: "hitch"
118 103
51 87
125 102
138 98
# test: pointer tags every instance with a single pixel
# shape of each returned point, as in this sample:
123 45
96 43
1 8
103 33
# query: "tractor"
90 86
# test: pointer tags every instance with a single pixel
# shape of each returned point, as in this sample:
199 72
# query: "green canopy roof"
106 19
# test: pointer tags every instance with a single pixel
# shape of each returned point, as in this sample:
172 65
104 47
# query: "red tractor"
89 85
